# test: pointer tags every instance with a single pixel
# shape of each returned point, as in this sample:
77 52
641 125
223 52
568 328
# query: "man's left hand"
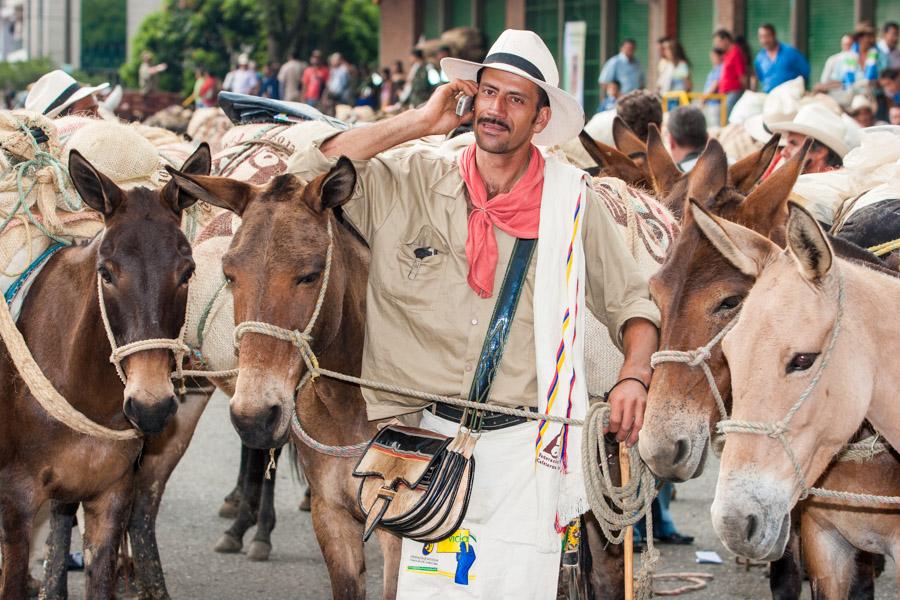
627 403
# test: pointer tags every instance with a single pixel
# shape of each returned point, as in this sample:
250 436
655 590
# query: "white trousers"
495 553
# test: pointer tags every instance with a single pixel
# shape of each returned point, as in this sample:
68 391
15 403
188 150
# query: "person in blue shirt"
624 68
777 62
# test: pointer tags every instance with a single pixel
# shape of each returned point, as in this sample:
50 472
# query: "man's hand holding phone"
441 114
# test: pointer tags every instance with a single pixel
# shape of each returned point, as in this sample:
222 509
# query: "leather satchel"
415 482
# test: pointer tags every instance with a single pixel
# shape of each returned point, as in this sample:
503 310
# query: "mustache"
493 121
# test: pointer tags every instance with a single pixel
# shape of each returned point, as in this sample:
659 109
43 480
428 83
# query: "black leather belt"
490 421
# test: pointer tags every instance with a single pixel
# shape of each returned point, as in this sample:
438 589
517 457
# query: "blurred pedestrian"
887 45
270 86
290 76
204 88
611 92
894 115
624 68
712 79
674 68
777 62
638 109
732 80
148 73
315 76
442 53
386 94
687 136
338 86
831 70
862 109
418 85
245 78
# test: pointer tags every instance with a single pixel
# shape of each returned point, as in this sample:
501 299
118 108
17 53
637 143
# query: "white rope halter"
699 358
120 353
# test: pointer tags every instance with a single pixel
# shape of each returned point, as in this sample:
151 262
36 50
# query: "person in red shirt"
732 80
315 76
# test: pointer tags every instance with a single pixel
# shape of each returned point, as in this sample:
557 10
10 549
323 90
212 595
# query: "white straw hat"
816 121
780 105
524 53
55 92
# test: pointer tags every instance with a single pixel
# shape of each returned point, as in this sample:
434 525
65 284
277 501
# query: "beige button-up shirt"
424 325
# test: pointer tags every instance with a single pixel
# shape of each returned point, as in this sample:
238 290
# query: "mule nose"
668 459
258 430
150 417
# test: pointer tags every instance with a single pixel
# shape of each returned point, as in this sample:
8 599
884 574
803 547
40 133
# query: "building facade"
87 34
813 26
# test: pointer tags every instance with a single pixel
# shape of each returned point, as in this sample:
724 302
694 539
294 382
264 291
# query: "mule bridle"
119 353
699 358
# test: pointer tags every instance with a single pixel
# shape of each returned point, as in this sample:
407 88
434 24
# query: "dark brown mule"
275 266
699 293
627 161
144 262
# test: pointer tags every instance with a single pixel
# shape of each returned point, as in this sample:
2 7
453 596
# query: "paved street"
189 527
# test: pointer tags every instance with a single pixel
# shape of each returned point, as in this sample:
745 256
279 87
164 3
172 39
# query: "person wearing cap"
858 67
442 231
832 137
57 94
862 109
777 62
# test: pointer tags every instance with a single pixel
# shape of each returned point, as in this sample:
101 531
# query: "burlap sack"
209 125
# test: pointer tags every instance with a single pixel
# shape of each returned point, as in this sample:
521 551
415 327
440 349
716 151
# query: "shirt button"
468 366
474 321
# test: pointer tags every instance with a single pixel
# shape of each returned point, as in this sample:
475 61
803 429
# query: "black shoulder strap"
498 328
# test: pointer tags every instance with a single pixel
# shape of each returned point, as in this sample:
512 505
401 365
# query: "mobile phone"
464 105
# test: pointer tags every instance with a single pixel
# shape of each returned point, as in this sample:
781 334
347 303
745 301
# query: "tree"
212 32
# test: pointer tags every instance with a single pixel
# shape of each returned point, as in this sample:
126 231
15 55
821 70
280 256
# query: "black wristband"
624 379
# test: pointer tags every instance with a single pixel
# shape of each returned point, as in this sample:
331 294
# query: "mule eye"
802 361
186 276
729 303
105 275
309 278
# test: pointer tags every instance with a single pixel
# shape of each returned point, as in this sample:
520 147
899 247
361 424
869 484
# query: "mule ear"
338 184
612 161
219 191
746 250
808 244
765 209
709 175
198 163
663 171
96 189
627 141
746 172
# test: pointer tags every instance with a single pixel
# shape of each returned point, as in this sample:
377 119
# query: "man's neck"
679 153
500 172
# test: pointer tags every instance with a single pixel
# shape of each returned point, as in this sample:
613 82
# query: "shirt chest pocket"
416 275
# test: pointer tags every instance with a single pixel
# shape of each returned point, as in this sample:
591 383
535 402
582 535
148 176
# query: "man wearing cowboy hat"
57 94
833 137
442 231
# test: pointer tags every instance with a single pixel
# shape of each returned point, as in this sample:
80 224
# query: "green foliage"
192 33
212 33
18 75
103 32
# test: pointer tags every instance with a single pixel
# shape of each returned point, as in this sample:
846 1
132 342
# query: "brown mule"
275 267
144 262
698 293
670 183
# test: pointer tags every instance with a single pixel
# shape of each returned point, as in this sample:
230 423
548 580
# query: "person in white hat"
442 231
57 94
832 137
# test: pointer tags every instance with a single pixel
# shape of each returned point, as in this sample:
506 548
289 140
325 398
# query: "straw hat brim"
79 95
566 114
830 140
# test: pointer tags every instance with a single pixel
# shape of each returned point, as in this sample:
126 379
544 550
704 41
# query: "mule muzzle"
751 523
150 414
149 393
261 411
674 456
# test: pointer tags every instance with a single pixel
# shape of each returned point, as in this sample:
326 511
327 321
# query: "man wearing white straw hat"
446 234
832 137
57 94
